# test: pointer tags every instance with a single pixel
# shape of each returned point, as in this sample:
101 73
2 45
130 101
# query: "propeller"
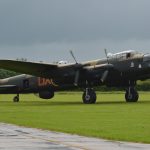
79 66
71 52
106 55
104 75
77 74
76 78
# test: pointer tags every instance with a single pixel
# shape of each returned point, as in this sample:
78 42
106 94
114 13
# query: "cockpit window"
128 55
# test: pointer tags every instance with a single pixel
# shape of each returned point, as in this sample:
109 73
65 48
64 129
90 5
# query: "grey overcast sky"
47 29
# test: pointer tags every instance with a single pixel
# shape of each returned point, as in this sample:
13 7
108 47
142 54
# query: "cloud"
36 21
33 27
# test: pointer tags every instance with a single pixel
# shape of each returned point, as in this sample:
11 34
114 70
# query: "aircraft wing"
4 89
101 67
105 70
36 69
7 86
50 70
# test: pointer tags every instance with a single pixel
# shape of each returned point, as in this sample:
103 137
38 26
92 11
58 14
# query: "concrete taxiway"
14 137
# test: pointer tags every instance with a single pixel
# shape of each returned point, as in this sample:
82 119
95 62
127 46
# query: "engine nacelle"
46 94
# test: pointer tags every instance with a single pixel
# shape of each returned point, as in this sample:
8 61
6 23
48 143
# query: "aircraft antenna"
71 52
106 55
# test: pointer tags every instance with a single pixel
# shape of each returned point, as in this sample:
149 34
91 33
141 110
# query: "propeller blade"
104 76
71 52
76 78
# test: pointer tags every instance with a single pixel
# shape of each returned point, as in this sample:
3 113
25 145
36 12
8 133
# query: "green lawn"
110 118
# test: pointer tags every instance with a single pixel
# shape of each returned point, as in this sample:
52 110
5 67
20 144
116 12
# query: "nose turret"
146 58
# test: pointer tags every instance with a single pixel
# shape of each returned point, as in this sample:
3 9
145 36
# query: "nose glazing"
146 57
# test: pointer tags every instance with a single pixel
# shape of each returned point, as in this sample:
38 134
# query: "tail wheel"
89 96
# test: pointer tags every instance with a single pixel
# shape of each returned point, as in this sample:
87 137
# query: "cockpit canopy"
125 55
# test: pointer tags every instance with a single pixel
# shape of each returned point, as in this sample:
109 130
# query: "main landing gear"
16 98
89 96
131 95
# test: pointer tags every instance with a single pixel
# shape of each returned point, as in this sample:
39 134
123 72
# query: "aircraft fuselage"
117 70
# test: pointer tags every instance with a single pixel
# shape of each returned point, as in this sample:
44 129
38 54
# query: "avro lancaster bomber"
121 69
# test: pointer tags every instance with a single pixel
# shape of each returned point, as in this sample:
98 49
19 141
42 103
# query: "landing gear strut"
131 95
89 96
16 98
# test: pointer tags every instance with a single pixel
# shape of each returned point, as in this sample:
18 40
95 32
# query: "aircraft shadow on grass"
60 103
98 103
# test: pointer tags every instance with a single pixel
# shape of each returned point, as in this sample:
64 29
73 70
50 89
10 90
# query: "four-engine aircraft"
121 69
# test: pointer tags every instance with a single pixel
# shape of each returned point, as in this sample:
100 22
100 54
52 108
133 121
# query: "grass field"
111 118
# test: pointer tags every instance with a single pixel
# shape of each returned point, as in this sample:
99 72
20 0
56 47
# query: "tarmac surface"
14 137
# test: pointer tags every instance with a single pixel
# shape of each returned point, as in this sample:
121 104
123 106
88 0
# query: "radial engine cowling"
46 94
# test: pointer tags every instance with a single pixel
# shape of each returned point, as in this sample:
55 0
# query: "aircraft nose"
146 58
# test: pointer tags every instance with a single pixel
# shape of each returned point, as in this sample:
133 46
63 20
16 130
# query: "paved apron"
14 137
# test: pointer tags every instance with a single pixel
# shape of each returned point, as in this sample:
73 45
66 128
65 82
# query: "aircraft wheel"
89 96
16 99
131 95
